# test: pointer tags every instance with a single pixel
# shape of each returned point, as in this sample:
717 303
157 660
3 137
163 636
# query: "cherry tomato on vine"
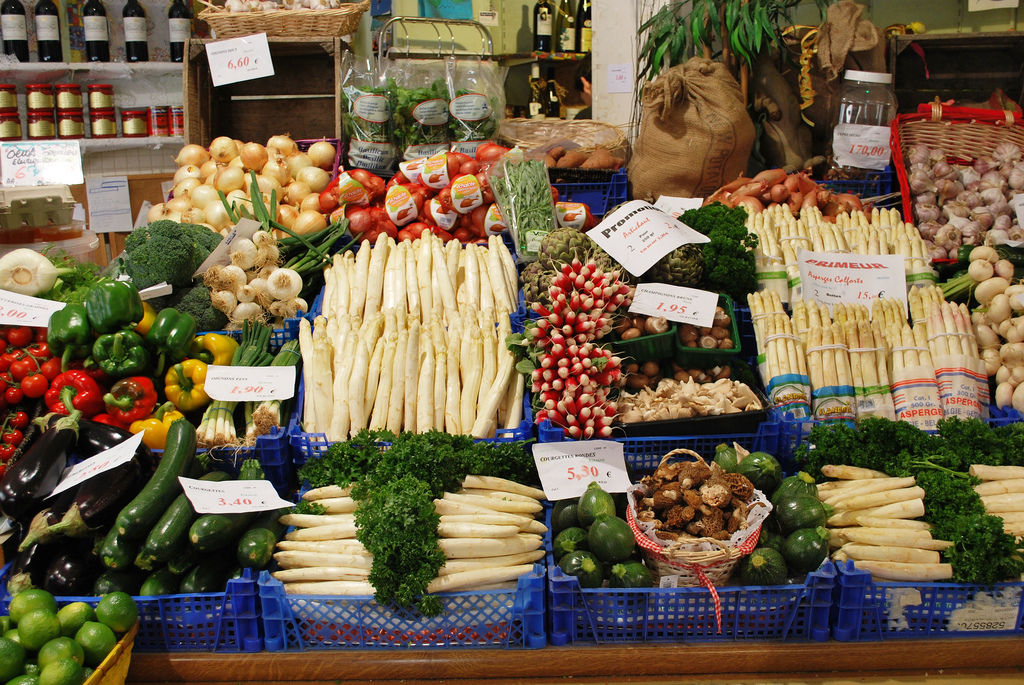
20 336
19 420
14 395
3 346
40 334
35 385
23 367
40 350
50 368
6 452
12 437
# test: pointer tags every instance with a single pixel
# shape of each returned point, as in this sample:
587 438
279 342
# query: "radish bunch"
573 376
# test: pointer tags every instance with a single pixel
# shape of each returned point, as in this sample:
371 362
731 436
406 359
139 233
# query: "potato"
637 381
556 153
601 159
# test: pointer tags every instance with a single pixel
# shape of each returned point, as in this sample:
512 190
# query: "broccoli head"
196 301
160 252
205 240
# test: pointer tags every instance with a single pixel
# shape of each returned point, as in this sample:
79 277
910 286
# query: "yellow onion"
193 216
172 216
196 155
286 215
187 171
268 184
297 191
283 144
277 171
310 202
186 186
208 169
236 161
309 221
236 195
230 178
217 216
315 177
297 161
254 156
223 149
322 154
203 195
178 204
155 213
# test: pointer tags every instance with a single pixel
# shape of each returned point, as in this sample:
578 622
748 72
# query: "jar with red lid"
10 125
39 97
177 121
40 124
69 96
135 122
8 96
102 123
101 96
70 124
159 121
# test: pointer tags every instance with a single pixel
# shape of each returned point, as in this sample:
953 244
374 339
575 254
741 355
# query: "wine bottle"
567 27
48 32
584 26
553 105
12 23
543 20
179 18
97 40
536 106
136 45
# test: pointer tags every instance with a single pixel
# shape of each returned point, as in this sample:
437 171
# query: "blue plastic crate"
600 196
644 454
512 619
218 621
745 324
869 610
779 612
874 183
288 331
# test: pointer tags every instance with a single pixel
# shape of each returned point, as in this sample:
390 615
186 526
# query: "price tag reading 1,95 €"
567 468
231 497
685 305
22 310
239 59
250 384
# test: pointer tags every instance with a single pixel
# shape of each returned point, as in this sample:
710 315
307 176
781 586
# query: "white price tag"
668 581
51 162
853 279
104 461
22 310
863 147
686 305
984 613
983 5
250 383
567 468
488 18
158 290
232 496
239 59
638 234
674 206
245 228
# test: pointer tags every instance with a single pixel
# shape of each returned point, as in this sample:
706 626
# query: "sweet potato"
549 161
601 159
556 153
571 160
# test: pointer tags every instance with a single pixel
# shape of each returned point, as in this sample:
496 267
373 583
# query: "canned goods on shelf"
10 125
41 125
101 96
70 124
177 121
102 123
135 122
159 121
69 96
8 96
39 97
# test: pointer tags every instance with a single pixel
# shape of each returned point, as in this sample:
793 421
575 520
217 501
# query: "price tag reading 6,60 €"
250 384
239 59
231 497
567 468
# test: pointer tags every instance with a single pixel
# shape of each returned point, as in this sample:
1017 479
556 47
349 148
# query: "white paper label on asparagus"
638 234
863 147
915 397
986 612
685 305
245 228
851 279
232 496
567 468
23 310
250 383
674 206
104 461
958 386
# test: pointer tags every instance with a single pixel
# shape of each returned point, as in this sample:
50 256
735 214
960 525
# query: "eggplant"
29 568
101 498
71 572
94 438
40 530
38 472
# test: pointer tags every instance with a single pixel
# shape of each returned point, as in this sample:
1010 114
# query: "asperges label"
852 279
250 384
231 497
567 468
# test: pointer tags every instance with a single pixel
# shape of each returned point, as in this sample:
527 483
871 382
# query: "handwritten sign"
620 78
638 234
121 453
863 147
250 384
110 207
22 310
686 305
245 228
239 59
232 496
567 468
674 206
852 279
41 163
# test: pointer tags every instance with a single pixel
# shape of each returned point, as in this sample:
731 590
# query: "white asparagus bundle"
907 555
879 499
894 570
910 509
986 473
320 573
844 472
999 487
866 487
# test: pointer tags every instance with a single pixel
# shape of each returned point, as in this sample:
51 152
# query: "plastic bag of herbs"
477 108
523 193
418 92
366 115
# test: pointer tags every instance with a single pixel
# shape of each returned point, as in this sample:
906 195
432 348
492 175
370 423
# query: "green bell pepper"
121 354
170 337
70 335
112 306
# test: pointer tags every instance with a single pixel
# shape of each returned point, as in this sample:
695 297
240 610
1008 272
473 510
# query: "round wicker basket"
301 23
587 133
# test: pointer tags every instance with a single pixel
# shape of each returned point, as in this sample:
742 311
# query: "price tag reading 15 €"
231 497
567 468
250 384
239 59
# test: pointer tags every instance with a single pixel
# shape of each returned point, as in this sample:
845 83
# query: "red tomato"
23 367
35 385
6 452
12 437
20 336
13 395
3 346
40 334
19 420
51 368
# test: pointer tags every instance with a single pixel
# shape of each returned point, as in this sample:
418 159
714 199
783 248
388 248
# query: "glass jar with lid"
867 106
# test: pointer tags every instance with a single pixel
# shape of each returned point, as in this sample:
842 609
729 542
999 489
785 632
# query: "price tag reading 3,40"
685 305
231 497
239 59
250 384
567 468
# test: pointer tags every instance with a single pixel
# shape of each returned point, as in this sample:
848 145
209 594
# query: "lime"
30 600
5 624
37 628
97 640
62 672
14 635
73 616
31 668
117 611
24 680
61 648
12 659
88 672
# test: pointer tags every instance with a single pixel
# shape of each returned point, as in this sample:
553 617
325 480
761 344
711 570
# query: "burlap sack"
695 133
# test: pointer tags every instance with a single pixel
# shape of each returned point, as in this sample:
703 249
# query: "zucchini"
610 539
136 519
805 549
129 580
584 566
209 575
182 562
563 515
801 511
160 582
118 552
170 534
764 566
592 502
214 531
569 540
256 546
761 469
800 484
630 574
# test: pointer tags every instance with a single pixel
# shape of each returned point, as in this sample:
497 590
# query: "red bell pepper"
109 420
131 399
94 372
78 389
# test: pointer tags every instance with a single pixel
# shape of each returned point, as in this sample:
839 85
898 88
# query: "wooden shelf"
517 58
89 145
51 72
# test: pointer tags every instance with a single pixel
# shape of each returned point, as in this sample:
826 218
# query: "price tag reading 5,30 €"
239 59
567 468
250 384
231 497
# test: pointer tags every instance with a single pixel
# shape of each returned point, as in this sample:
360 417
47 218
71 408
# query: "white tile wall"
130 162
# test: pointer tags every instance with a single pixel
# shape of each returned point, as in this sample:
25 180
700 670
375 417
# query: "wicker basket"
316 24
701 561
114 669
588 134
964 134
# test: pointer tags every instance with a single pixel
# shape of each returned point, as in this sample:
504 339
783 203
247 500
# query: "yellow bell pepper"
184 383
148 317
156 425
214 348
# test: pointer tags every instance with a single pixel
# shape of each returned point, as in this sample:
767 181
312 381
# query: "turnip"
980 270
989 287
